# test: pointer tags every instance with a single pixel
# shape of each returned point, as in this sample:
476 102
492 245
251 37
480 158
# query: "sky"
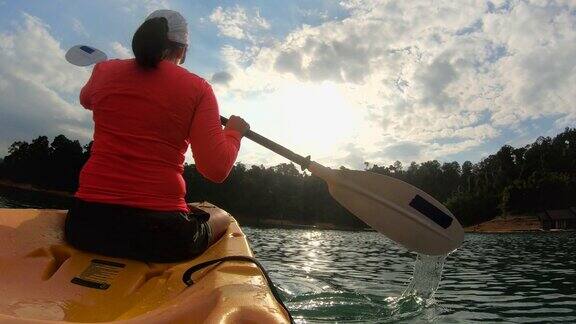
346 82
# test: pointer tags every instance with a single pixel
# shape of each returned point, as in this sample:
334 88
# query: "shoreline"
28 187
500 224
508 224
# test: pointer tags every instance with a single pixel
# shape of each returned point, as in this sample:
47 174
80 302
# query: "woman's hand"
238 124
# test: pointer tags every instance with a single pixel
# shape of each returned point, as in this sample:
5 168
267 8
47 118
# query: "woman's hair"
150 43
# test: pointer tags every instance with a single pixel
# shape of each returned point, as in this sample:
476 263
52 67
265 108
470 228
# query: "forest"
520 181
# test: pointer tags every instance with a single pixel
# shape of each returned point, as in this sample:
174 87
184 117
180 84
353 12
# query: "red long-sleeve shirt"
144 121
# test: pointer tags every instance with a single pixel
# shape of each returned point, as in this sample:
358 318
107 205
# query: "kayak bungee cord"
187 276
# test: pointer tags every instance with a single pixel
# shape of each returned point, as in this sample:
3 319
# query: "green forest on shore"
522 180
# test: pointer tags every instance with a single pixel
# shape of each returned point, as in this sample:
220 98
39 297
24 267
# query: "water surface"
329 276
339 276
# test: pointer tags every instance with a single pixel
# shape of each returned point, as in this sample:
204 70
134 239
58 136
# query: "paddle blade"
82 55
395 208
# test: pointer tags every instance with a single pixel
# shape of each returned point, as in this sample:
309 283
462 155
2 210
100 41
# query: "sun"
315 118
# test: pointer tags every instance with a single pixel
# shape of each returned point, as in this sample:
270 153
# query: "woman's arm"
88 90
214 149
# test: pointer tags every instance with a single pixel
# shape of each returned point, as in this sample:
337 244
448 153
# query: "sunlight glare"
315 118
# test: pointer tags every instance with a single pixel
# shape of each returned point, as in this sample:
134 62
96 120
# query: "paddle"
394 208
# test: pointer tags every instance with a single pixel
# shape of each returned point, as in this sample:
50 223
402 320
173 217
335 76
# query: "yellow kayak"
44 280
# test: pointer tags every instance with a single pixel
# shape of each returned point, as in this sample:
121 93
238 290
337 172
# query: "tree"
522 180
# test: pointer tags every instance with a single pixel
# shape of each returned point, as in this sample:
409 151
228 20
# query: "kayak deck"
43 280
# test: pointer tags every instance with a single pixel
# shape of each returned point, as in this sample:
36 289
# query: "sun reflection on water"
313 246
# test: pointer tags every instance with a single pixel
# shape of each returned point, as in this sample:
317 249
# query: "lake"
339 276
329 276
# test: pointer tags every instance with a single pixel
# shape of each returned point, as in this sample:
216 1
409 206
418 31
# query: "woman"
146 111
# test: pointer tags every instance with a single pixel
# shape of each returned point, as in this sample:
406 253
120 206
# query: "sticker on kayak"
99 274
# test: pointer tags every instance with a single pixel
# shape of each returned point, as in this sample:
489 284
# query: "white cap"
177 26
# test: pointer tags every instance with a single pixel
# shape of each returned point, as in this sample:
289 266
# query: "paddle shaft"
304 162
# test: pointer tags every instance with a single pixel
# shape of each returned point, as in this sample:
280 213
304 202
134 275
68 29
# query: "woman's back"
131 198
144 120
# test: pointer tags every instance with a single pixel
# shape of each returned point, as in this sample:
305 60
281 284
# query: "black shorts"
141 234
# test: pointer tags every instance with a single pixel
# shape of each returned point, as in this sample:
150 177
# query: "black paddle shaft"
304 162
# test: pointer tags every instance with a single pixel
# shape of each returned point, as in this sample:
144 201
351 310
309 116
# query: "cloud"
404 151
235 22
37 57
38 88
121 51
313 13
78 27
221 77
355 156
438 78
311 56
144 5
152 5
434 79
289 61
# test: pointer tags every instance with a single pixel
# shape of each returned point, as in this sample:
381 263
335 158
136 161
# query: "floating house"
558 219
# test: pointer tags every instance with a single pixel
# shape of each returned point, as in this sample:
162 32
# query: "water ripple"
360 277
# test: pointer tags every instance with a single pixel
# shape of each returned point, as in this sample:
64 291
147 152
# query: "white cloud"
37 56
79 28
437 77
404 151
144 5
151 5
354 157
222 77
236 22
121 51
313 13
38 87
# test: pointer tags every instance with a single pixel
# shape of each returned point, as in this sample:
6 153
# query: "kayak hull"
44 280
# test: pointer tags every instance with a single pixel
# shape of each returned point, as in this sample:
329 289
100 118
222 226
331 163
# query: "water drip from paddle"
426 277
418 297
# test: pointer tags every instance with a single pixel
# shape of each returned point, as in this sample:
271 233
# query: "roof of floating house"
561 214
558 214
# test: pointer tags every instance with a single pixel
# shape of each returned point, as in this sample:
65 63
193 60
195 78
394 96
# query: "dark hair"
150 42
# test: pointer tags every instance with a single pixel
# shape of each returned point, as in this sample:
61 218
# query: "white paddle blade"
83 55
395 208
